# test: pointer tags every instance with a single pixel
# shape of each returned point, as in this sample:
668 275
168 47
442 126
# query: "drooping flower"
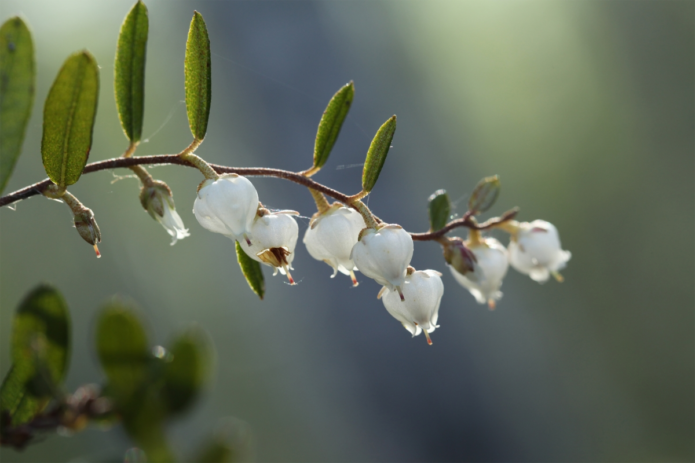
159 203
489 268
423 291
331 237
535 250
273 239
227 205
384 254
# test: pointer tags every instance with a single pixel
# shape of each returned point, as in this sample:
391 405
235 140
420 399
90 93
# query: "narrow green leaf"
331 123
122 348
40 354
188 370
484 195
376 156
251 270
68 119
440 209
198 70
129 71
17 82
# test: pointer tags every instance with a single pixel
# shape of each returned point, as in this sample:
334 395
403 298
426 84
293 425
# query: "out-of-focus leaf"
376 156
68 119
17 82
122 348
231 442
198 71
188 370
440 209
40 354
331 123
484 195
252 271
129 71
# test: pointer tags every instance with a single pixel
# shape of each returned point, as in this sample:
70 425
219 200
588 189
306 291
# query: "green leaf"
251 270
440 209
188 370
232 441
331 123
40 354
376 156
484 195
68 119
17 82
198 70
122 348
129 71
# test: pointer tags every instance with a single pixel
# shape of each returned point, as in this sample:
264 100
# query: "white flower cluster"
339 237
534 250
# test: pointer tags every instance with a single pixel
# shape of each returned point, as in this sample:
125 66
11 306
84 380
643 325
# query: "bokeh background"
584 109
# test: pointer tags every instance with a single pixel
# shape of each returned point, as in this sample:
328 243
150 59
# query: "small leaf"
17 82
251 270
189 369
40 354
198 70
129 71
122 348
68 119
376 156
440 209
484 195
232 441
331 123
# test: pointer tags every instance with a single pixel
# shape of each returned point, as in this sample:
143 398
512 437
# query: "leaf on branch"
331 123
68 119
129 71
122 348
484 195
440 210
40 354
17 82
198 70
189 369
376 156
251 270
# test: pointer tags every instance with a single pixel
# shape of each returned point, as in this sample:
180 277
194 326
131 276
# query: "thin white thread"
174 107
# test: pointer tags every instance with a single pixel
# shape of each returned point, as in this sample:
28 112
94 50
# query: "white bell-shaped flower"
423 291
331 237
535 250
384 255
158 201
489 268
227 205
273 239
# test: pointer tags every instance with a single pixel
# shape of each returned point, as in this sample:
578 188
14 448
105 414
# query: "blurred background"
584 109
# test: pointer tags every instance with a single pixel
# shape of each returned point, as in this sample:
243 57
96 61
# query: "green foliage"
68 119
40 354
440 209
188 370
484 195
376 156
17 82
331 123
251 270
129 71
198 71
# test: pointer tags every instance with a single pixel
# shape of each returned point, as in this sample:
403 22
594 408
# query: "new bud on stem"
87 228
158 201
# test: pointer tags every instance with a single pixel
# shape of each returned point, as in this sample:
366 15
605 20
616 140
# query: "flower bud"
535 250
423 291
87 228
159 203
490 267
227 205
331 237
384 255
458 256
273 237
